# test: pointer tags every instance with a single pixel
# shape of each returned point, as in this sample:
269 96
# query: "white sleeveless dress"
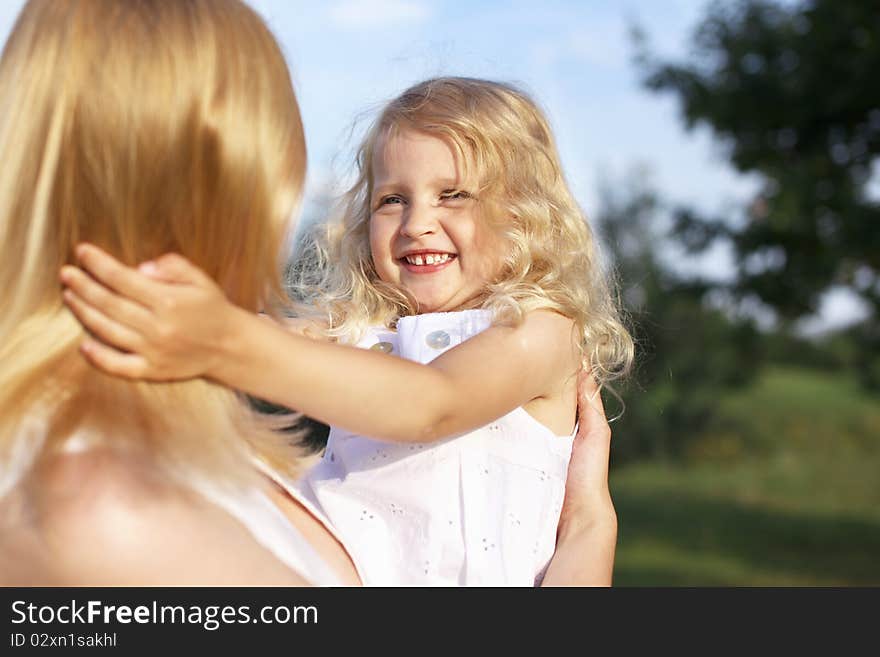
480 509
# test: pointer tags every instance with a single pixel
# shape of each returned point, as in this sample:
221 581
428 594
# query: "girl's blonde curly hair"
500 136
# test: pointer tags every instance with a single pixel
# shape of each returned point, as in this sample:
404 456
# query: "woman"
148 127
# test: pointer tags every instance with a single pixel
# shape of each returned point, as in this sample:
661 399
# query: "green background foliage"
750 456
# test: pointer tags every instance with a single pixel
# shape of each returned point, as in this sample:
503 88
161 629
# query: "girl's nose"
418 221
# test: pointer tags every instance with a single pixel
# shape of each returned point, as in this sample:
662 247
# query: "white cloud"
360 14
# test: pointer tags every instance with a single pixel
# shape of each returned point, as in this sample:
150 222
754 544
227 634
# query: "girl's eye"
455 195
391 200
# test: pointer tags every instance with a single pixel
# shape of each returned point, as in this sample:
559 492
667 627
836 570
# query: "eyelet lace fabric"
480 509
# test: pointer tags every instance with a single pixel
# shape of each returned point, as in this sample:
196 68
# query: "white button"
385 347
437 339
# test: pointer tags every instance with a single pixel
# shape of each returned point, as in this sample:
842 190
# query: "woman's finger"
111 361
592 444
90 292
123 279
589 394
110 331
592 422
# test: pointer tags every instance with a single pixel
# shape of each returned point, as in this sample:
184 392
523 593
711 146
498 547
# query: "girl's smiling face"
427 234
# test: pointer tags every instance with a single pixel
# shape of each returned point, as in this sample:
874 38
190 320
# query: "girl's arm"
587 534
185 328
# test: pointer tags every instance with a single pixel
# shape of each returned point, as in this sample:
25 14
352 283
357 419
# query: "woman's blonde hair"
498 133
143 127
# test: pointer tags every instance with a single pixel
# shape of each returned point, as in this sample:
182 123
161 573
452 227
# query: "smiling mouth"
426 262
422 259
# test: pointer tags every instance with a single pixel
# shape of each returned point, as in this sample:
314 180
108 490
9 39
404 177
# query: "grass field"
785 491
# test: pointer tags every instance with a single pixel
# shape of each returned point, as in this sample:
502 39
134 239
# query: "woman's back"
144 127
102 519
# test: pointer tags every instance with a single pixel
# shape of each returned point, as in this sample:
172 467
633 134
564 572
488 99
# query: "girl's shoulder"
544 322
554 340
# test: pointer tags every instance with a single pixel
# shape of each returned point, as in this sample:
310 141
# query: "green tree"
689 355
791 92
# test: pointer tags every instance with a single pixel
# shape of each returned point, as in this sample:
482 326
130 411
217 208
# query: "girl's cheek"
375 237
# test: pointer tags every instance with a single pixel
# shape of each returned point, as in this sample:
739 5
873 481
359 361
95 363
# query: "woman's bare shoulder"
102 518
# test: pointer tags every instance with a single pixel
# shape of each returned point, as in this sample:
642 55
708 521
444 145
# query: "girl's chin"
439 303
444 306
429 305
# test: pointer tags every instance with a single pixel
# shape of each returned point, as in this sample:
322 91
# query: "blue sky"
349 56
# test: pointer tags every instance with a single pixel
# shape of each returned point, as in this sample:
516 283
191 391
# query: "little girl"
466 273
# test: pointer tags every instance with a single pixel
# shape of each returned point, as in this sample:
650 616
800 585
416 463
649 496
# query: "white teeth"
429 259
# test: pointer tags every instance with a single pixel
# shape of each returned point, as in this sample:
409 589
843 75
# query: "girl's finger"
113 274
111 361
90 292
110 331
174 268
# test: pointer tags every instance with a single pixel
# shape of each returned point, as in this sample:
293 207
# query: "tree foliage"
791 92
689 355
